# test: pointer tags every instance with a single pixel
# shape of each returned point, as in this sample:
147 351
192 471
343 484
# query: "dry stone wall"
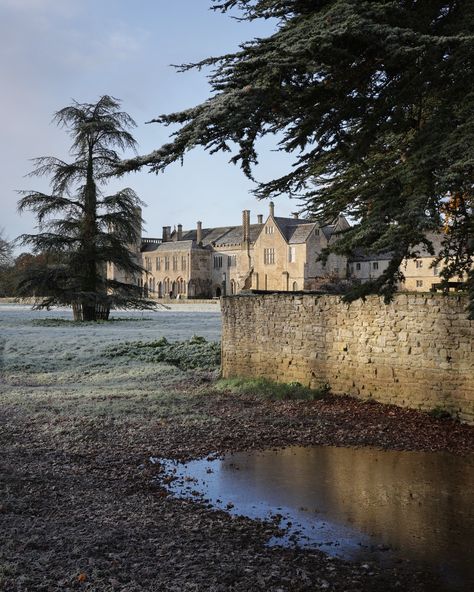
416 352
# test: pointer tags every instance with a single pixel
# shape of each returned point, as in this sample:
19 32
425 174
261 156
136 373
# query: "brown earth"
80 510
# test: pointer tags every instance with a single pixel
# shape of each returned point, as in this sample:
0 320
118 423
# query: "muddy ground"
80 508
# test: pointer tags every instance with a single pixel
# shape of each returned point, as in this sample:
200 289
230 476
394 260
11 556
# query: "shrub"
195 353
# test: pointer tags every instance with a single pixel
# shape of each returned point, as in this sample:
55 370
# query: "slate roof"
296 230
149 246
363 255
236 233
293 229
436 239
220 236
209 235
167 246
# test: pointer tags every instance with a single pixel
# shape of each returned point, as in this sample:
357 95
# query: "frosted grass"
47 367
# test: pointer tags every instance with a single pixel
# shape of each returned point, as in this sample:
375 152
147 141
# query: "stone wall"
416 352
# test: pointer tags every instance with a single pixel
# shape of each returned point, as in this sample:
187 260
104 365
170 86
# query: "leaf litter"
79 505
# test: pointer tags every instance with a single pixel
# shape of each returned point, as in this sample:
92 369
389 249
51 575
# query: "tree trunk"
89 283
97 312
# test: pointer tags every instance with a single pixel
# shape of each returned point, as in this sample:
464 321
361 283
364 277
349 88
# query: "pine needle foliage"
81 228
375 101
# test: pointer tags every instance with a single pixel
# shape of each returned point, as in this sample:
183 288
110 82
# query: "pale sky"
53 51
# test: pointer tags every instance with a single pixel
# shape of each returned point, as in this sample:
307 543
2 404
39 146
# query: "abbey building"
277 253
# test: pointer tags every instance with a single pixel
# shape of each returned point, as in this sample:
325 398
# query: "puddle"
359 504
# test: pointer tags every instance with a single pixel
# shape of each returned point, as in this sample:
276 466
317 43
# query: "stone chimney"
180 232
272 209
138 223
166 233
296 215
199 233
260 219
245 225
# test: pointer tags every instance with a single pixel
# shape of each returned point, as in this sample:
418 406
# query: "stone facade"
278 254
416 352
420 272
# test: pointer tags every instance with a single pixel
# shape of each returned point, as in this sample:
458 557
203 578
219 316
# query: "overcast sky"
53 51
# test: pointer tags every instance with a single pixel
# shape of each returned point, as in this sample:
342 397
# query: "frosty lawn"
49 362
84 408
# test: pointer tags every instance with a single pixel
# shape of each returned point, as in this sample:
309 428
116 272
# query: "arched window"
295 287
232 287
181 286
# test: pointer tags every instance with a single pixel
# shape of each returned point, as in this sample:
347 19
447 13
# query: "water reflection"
356 503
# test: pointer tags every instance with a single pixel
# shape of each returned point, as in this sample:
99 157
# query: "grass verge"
273 391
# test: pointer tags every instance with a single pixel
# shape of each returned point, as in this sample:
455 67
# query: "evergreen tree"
375 100
5 251
82 230
6 261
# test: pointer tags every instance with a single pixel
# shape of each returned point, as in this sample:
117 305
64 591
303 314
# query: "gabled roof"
297 231
294 230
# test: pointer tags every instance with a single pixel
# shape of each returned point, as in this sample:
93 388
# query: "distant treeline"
12 270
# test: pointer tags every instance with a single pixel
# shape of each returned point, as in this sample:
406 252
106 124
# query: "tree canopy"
375 101
82 229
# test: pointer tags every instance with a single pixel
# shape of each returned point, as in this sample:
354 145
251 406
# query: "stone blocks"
416 351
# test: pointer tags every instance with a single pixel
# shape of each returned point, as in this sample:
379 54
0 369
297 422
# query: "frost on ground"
47 360
196 352
80 505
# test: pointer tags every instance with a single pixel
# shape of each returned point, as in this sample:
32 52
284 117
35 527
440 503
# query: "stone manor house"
274 254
